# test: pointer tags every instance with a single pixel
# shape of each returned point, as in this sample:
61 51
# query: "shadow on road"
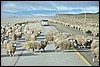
19 49
29 54
5 55
22 40
47 51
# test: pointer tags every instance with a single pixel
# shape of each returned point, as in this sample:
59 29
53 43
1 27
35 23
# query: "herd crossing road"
46 58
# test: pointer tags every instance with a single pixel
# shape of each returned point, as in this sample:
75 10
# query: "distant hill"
78 14
90 13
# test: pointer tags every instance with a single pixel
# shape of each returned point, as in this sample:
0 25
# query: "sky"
47 8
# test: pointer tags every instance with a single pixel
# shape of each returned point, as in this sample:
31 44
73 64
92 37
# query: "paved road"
47 58
85 53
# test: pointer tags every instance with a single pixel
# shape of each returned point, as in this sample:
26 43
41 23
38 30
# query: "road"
47 58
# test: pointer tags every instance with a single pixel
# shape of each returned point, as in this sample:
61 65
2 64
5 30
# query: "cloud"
47 7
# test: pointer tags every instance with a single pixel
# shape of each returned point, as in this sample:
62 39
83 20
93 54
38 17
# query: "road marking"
87 63
25 44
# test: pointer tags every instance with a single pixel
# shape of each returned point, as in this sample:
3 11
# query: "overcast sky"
30 8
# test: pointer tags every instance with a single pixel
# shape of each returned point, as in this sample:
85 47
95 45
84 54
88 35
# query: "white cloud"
91 9
9 6
64 7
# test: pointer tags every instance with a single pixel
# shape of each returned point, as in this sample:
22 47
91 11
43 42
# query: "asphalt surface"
48 57
85 53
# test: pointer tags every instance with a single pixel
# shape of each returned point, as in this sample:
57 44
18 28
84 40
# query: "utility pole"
85 16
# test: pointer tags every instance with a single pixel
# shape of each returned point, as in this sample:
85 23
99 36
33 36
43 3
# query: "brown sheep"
36 45
62 44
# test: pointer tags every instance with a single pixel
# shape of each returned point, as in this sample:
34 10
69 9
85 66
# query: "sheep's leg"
56 48
93 59
84 46
13 54
7 52
62 49
43 49
97 58
33 51
10 53
28 50
39 49
79 47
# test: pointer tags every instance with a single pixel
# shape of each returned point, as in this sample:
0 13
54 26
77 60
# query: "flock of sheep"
64 41
90 25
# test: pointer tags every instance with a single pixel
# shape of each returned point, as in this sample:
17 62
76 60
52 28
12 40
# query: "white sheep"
5 43
62 44
28 37
81 41
18 34
11 48
49 36
94 44
96 54
36 45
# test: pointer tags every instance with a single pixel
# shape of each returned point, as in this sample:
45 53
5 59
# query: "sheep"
65 35
37 32
2 31
62 44
89 40
18 34
81 41
28 32
73 41
57 39
14 37
36 45
11 48
96 54
33 37
49 36
10 35
7 34
13 29
2 39
5 43
28 37
94 44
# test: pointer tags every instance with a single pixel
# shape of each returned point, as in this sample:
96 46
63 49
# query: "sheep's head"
73 42
13 44
44 42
